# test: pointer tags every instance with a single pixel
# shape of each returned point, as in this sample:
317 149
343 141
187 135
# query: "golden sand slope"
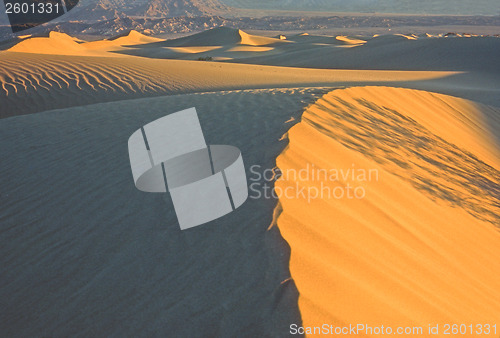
56 43
63 44
37 82
422 246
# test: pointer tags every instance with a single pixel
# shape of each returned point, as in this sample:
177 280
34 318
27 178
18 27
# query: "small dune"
409 37
56 43
223 36
255 40
382 40
63 44
350 41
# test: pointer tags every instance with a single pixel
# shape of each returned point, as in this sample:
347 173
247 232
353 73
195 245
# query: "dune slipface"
418 242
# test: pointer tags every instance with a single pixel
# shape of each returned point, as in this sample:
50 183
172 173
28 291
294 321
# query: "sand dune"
63 44
310 38
37 82
220 43
223 40
397 52
387 52
384 40
382 52
472 56
421 247
222 36
350 41
56 43
133 38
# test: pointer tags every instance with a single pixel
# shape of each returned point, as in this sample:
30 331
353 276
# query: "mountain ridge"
109 9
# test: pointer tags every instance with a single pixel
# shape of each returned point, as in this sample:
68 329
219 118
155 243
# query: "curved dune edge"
421 247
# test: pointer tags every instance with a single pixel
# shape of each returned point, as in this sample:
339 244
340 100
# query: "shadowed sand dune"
395 52
385 52
221 36
85 254
421 245
220 43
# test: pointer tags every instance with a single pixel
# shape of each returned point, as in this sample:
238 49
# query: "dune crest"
56 43
255 40
63 44
350 41
421 246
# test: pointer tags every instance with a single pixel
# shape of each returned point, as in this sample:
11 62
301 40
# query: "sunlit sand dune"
350 41
55 43
63 44
418 241
37 82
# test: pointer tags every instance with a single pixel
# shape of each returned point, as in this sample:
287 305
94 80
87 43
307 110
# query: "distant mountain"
455 7
90 10
103 10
